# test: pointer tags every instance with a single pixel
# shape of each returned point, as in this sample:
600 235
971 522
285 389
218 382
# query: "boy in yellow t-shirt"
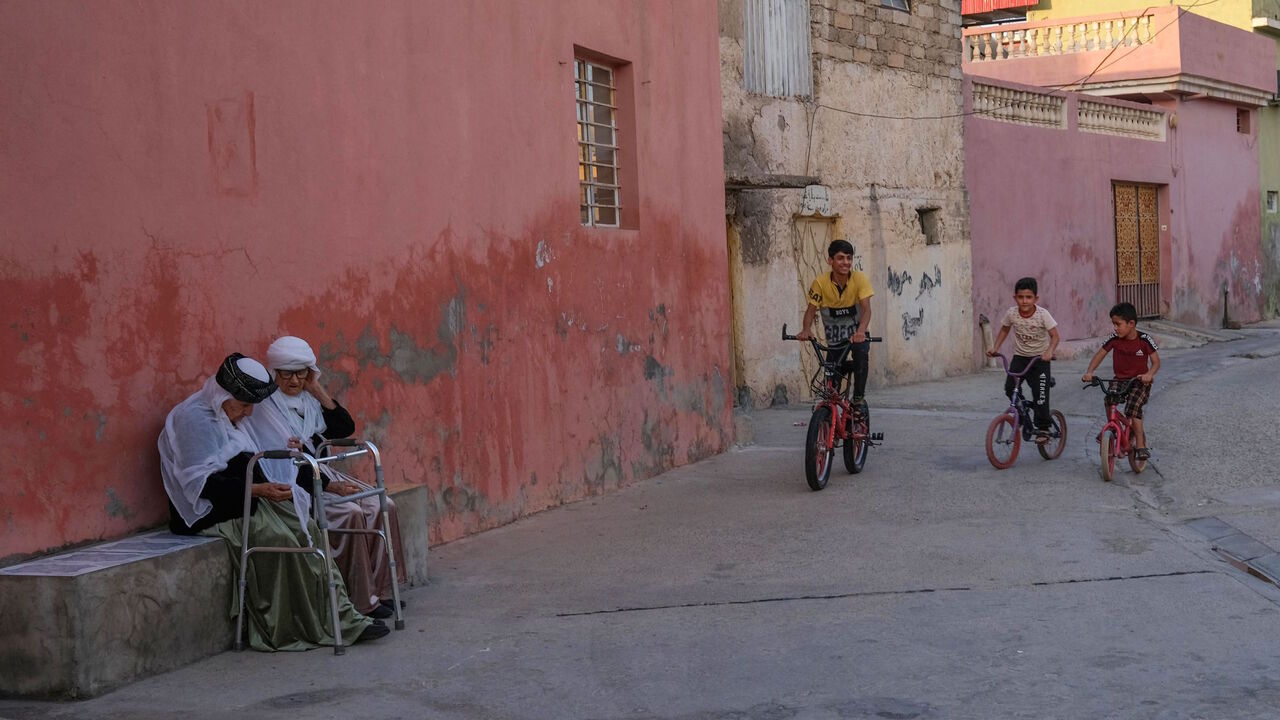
843 296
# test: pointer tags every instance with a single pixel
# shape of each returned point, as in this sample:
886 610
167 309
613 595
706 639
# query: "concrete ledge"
411 506
84 622
80 623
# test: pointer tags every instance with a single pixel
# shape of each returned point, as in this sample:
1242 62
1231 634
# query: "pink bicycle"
1113 439
1007 431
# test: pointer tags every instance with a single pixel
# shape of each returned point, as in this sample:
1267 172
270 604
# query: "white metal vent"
776 48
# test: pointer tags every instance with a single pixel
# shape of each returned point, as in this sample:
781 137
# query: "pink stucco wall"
1041 205
396 182
1218 233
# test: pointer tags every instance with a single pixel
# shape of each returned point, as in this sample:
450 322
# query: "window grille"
1273 201
600 193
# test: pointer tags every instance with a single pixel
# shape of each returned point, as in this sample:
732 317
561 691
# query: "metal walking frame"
323 552
364 447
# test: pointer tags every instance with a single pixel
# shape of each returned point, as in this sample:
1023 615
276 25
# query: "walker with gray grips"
323 552
364 447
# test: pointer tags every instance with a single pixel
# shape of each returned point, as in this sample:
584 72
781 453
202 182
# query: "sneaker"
1042 437
1142 453
373 632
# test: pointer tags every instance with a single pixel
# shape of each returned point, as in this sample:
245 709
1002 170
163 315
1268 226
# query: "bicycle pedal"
877 437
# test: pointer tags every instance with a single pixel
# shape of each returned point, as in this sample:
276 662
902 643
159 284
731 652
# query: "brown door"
1138 247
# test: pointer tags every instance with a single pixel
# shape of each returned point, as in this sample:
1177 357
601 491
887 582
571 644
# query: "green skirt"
287 605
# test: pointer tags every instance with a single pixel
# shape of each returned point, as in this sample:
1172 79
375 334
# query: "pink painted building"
1143 186
402 184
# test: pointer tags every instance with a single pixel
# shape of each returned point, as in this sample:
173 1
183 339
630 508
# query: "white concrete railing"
1024 107
984 45
1096 117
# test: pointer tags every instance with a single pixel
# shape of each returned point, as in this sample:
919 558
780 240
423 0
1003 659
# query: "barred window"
599 196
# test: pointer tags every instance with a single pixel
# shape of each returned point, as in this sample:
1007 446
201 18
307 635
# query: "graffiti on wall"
927 283
898 281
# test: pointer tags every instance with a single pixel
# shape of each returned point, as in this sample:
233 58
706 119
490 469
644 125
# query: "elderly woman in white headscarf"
204 453
301 415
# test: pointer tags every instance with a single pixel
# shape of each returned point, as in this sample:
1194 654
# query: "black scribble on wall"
928 283
911 325
897 281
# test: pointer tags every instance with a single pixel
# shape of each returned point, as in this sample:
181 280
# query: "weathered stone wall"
882 134
923 41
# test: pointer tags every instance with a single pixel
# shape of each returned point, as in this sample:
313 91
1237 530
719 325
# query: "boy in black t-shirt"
1133 351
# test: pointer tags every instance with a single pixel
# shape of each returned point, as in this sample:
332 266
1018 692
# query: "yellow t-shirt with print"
839 305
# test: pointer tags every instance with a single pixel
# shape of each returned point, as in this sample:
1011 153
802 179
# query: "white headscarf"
281 417
291 353
197 441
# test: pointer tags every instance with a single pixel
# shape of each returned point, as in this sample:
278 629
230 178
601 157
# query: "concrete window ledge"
84 622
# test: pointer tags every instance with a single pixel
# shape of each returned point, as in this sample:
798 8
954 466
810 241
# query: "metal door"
1138 247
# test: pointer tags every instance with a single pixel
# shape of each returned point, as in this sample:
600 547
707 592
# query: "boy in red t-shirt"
1133 351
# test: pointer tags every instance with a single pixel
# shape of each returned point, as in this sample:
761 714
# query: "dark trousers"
1038 382
854 359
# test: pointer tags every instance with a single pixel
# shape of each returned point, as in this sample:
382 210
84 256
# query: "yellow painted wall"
1232 12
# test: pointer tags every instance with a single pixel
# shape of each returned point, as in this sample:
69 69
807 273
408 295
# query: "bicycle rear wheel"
1135 464
1057 437
1003 441
817 450
855 446
1107 454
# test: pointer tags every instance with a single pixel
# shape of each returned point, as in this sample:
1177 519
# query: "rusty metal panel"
776 48
973 7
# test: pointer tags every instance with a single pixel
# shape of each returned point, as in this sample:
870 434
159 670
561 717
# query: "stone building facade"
867 149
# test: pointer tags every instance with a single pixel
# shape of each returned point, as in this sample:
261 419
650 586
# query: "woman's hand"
343 487
279 492
295 443
317 390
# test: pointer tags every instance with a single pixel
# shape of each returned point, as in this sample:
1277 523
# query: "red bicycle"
1113 439
836 422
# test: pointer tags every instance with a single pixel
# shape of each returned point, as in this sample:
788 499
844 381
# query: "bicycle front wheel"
1107 454
817 449
1057 437
1003 441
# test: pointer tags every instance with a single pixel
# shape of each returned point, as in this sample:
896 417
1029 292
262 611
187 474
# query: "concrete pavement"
930 586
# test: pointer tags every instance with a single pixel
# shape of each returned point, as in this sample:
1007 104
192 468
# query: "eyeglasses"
292 374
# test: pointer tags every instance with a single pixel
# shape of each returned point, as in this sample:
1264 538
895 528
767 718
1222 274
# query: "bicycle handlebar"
820 346
1121 387
1005 361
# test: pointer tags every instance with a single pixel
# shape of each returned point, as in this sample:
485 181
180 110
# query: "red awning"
974 7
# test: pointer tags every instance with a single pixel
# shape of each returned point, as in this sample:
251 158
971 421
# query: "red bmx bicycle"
836 422
1007 431
1113 439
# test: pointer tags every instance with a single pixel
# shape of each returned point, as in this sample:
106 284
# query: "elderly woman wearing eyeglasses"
301 414
204 454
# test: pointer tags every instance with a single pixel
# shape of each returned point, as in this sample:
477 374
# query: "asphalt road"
930 586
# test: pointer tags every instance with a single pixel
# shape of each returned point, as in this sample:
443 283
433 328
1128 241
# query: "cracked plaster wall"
398 186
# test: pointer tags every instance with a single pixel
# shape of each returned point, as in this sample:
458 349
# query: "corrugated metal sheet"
776 48
972 7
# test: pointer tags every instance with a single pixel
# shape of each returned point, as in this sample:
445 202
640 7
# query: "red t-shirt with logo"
1130 357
